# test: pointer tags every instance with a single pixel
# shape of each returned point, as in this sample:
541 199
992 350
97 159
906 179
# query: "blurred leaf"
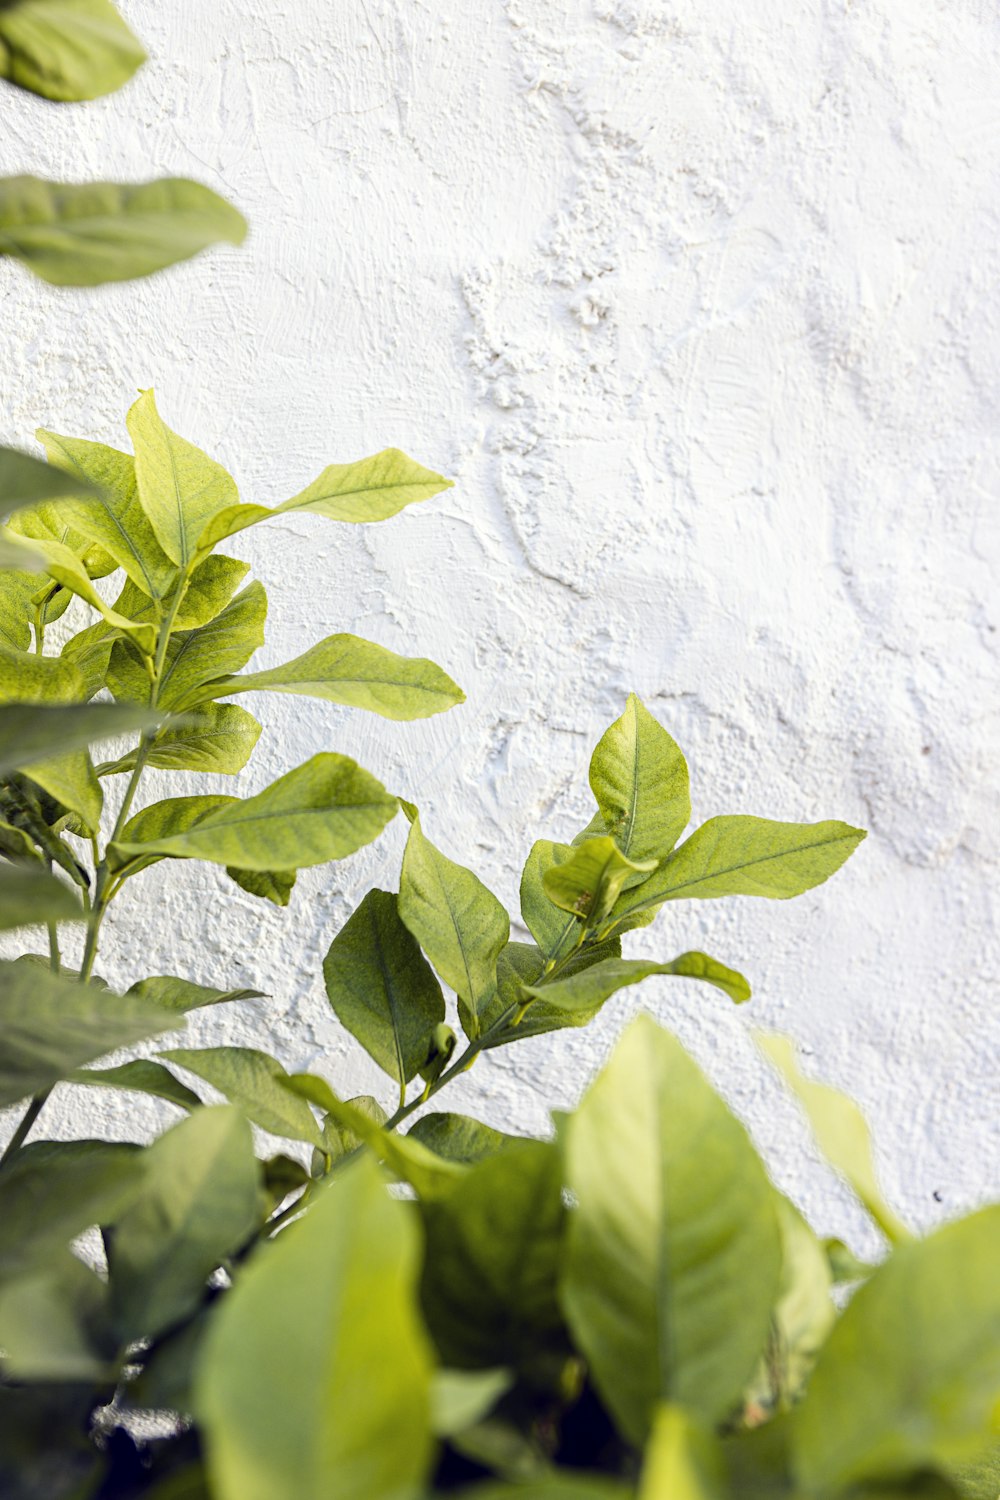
67 50
29 894
255 1082
141 1076
51 1191
25 480
316 1364
460 1398
459 1137
802 1319
640 780
30 732
54 1324
83 234
683 1461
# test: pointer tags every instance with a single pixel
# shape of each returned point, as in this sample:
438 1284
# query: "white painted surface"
697 303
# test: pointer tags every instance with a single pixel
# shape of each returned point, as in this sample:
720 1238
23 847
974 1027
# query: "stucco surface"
697 304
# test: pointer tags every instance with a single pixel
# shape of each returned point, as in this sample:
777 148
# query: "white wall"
697 303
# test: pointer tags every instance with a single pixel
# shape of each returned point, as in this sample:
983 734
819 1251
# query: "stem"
54 959
31 1114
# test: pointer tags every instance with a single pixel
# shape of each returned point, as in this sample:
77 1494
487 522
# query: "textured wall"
696 300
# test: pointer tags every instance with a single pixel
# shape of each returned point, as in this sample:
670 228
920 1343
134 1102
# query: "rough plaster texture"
697 303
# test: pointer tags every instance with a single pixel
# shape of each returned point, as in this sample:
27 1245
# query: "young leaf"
31 732
553 929
29 894
67 50
909 1378
50 1025
84 234
345 669
740 856
218 737
53 1190
348 1394
275 886
459 1137
180 488
142 1076
373 489
181 995
460 925
588 988
324 809
672 1207
494 1243
111 514
841 1134
255 1082
589 883
640 780
199 1204
382 988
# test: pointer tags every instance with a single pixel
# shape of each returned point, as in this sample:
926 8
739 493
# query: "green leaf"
802 1319
195 657
673 1206
70 777
461 1398
111 514
373 489
218 737
520 966
349 1395
51 1191
494 1243
740 856
67 50
382 989
62 564
341 1140
324 809
31 732
460 925
180 487
683 1461
275 886
640 780
553 929
143 1076
198 1206
589 883
181 995
194 600
29 894
83 234
459 1137
587 989
909 1378
50 1025
168 818
255 1082
841 1134
561 1484
345 669
54 1324
25 480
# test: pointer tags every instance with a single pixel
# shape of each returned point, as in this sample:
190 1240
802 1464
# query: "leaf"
54 1324
69 777
50 1025
83 234
345 669
199 1206
165 819
324 809
25 480
218 737
255 1082
553 929
640 780
460 925
520 966
561 1484
180 487
589 883
740 856
682 1460
494 1243
910 1376
111 513
350 1394
672 1207
143 1076
459 1137
382 989
270 885
31 732
29 894
841 1134
51 1191
182 995
587 989
195 657
373 489
67 50
461 1398
802 1318
339 1139
62 564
